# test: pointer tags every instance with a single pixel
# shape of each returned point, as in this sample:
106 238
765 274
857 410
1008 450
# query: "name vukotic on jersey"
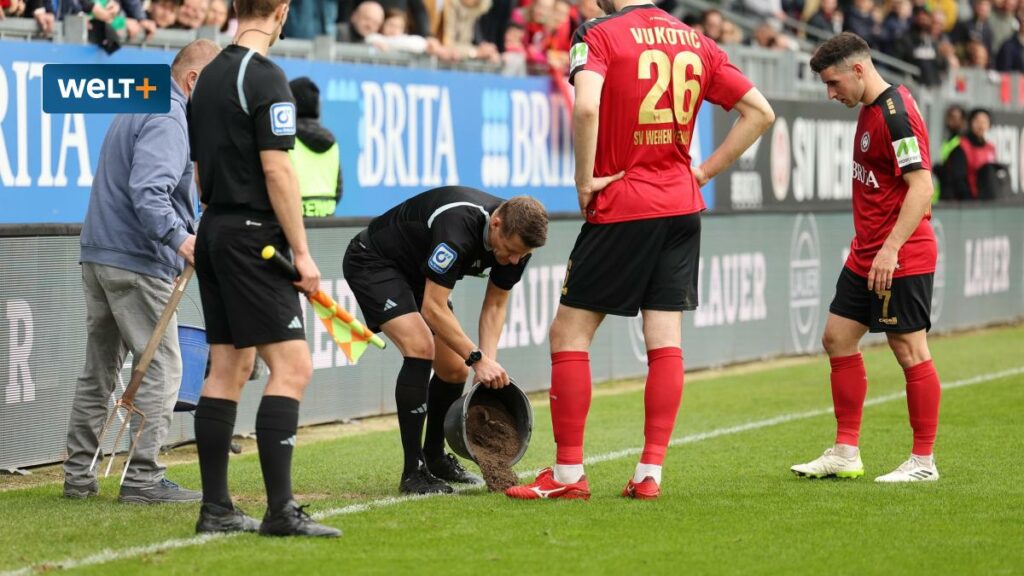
106 88
661 35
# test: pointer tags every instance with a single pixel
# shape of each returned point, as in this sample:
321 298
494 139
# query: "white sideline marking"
114 555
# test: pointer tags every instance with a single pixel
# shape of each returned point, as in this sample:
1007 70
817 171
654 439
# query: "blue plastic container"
194 354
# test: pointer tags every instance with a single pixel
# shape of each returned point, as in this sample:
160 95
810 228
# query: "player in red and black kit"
886 285
640 77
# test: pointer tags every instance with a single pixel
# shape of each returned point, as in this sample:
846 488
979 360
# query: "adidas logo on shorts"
295 324
421 410
389 304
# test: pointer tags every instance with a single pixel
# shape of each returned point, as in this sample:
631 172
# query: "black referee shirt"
241 105
442 234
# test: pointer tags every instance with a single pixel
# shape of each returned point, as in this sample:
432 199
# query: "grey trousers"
122 309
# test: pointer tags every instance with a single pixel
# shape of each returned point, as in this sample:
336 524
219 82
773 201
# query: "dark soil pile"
492 437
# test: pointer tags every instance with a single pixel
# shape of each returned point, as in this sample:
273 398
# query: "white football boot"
916 469
831 464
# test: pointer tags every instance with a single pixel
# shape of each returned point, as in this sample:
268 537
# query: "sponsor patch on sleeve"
907 151
442 258
578 55
282 119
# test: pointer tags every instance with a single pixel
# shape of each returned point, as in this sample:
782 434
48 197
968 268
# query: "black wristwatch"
474 357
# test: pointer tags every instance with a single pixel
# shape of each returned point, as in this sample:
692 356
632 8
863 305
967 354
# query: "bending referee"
242 124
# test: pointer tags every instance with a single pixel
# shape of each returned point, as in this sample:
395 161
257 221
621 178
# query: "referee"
402 269
242 124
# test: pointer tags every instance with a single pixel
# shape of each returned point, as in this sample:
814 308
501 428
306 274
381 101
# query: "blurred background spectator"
828 17
192 14
1010 57
967 160
367 18
953 121
164 12
711 24
864 19
311 18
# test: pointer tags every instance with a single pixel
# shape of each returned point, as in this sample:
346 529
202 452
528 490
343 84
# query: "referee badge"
282 119
442 258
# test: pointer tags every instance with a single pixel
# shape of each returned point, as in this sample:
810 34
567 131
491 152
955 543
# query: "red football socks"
662 395
923 393
849 387
570 402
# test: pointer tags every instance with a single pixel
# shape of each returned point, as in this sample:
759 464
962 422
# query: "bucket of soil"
491 427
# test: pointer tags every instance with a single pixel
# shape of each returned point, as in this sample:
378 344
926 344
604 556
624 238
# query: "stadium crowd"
938 36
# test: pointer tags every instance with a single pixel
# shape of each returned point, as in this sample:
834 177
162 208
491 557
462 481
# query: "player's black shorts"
246 301
624 267
382 290
906 307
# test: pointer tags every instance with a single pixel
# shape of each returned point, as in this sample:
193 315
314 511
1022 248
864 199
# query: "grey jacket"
141 207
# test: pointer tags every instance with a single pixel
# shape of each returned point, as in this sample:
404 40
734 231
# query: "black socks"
276 422
440 396
411 402
214 426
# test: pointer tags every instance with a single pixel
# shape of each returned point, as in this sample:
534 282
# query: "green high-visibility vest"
318 175
947 148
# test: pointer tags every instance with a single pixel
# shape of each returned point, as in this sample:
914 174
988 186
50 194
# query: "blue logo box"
106 88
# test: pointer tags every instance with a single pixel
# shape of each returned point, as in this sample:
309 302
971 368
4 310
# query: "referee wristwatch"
474 357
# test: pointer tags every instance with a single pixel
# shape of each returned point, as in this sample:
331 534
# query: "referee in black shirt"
402 269
242 123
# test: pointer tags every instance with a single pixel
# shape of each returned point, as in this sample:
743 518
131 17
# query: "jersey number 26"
685 92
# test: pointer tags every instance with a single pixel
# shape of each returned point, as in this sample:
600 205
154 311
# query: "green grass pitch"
729 503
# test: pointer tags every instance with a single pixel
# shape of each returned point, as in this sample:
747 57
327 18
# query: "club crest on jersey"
865 142
907 151
578 55
282 119
442 258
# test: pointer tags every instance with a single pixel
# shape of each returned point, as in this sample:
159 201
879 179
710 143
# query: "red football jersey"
891 141
657 71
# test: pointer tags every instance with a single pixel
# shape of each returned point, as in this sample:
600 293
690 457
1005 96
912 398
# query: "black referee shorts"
246 301
905 307
625 267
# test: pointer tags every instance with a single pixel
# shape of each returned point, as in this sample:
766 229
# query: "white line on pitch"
114 555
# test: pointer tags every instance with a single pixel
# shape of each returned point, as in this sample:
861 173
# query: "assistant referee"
242 123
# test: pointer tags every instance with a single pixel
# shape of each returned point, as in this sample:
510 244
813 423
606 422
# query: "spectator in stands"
950 13
458 33
164 12
126 14
139 232
514 57
12 8
217 16
367 18
559 35
1003 22
192 14
316 156
828 17
863 20
496 21
711 24
896 26
394 35
767 9
766 36
969 158
919 48
42 12
589 10
977 28
534 20
954 122
977 55
731 33
1011 54
311 18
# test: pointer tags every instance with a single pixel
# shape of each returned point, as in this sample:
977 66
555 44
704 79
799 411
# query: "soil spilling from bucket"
493 438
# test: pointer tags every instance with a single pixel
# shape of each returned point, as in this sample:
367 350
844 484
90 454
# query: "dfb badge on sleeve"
442 258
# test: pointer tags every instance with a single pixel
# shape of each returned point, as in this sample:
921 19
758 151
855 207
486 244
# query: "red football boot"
546 487
646 490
